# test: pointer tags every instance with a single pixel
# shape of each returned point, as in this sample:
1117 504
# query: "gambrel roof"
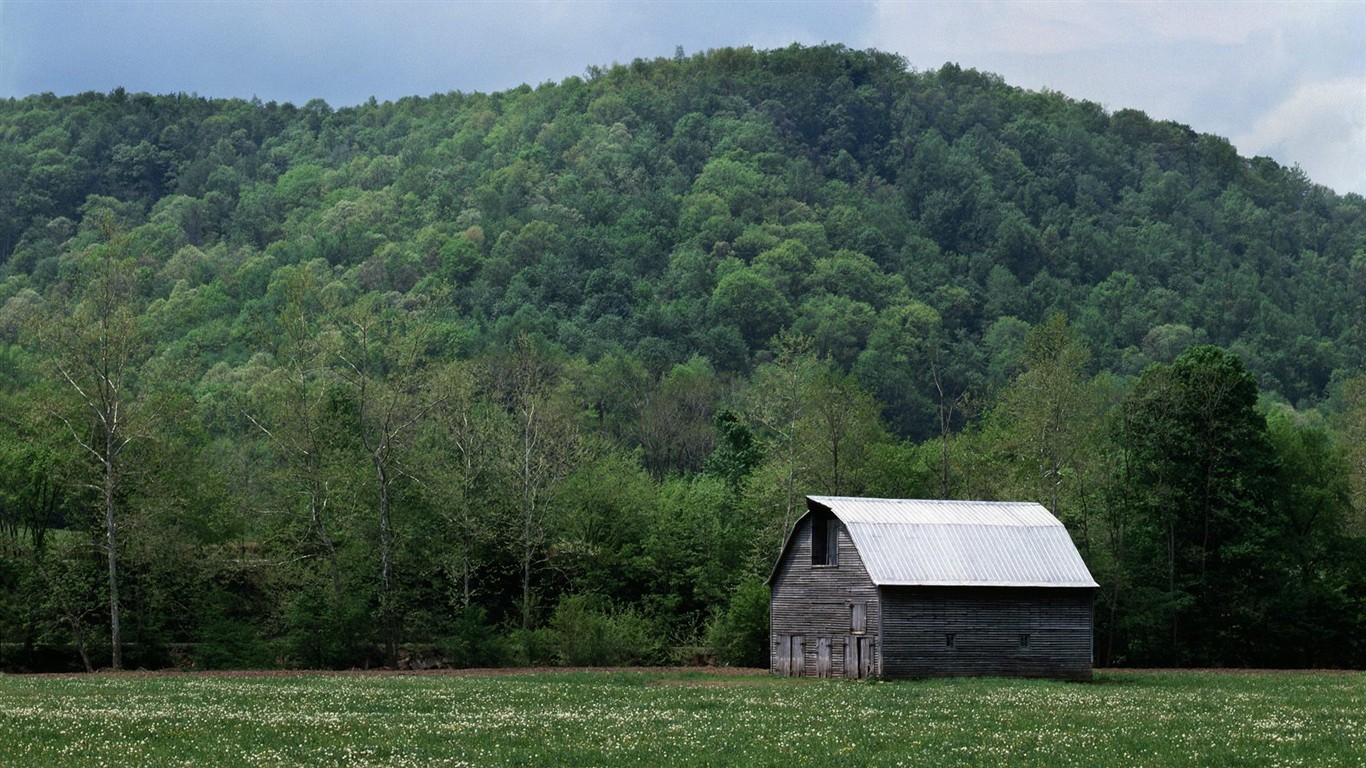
958 543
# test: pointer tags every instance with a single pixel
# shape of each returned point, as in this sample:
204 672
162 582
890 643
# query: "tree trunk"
386 544
79 637
947 405
1171 580
111 543
527 560
320 528
528 519
1110 630
466 568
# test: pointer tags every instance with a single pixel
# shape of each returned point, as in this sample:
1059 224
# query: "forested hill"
543 375
699 205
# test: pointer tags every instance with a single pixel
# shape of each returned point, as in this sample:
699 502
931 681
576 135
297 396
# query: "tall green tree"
844 427
35 464
1200 471
778 403
459 459
818 428
1310 620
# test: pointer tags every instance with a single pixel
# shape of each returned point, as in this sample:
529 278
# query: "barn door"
858 657
790 658
823 657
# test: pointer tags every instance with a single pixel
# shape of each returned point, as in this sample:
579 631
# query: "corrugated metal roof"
960 543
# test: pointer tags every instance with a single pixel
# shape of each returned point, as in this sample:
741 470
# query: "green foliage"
471 641
693 545
752 303
231 642
607 506
423 369
584 633
325 631
738 634
737 451
1203 464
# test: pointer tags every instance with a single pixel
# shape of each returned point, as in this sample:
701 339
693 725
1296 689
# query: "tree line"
544 375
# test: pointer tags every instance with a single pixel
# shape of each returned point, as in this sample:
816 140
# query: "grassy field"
669 718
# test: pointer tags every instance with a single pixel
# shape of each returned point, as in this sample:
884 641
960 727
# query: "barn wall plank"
987 625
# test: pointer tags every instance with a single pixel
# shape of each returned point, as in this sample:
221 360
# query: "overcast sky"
1285 79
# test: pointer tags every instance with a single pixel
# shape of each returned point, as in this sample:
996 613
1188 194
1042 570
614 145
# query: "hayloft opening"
824 540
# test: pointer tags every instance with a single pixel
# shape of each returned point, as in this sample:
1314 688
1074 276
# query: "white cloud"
1047 27
1250 70
1323 127
1217 23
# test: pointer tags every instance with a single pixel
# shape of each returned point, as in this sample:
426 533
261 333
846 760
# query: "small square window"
858 618
1024 641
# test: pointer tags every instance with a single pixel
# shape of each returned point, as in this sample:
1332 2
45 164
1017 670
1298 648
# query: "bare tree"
291 409
546 448
461 460
95 348
778 401
382 358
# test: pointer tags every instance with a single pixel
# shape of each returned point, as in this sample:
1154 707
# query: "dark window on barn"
858 618
949 640
824 540
1024 641
819 546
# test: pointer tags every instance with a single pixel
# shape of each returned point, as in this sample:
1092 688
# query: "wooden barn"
898 588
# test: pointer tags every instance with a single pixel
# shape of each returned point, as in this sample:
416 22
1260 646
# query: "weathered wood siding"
816 603
1017 631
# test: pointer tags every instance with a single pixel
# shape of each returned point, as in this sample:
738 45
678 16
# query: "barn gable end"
814 607
906 588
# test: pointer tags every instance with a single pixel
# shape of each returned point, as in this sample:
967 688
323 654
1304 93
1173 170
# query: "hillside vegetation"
543 375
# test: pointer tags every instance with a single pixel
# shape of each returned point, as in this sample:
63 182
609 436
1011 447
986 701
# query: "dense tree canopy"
542 375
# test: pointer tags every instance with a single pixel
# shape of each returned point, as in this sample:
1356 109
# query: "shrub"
327 632
738 636
585 633
471 641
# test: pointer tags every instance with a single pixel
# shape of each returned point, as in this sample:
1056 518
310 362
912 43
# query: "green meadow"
666 718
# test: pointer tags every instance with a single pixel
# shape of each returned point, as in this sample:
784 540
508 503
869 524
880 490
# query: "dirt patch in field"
695 676
712 679
726 672
1221 671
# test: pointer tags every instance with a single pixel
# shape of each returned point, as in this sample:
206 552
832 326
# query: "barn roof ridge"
937 511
